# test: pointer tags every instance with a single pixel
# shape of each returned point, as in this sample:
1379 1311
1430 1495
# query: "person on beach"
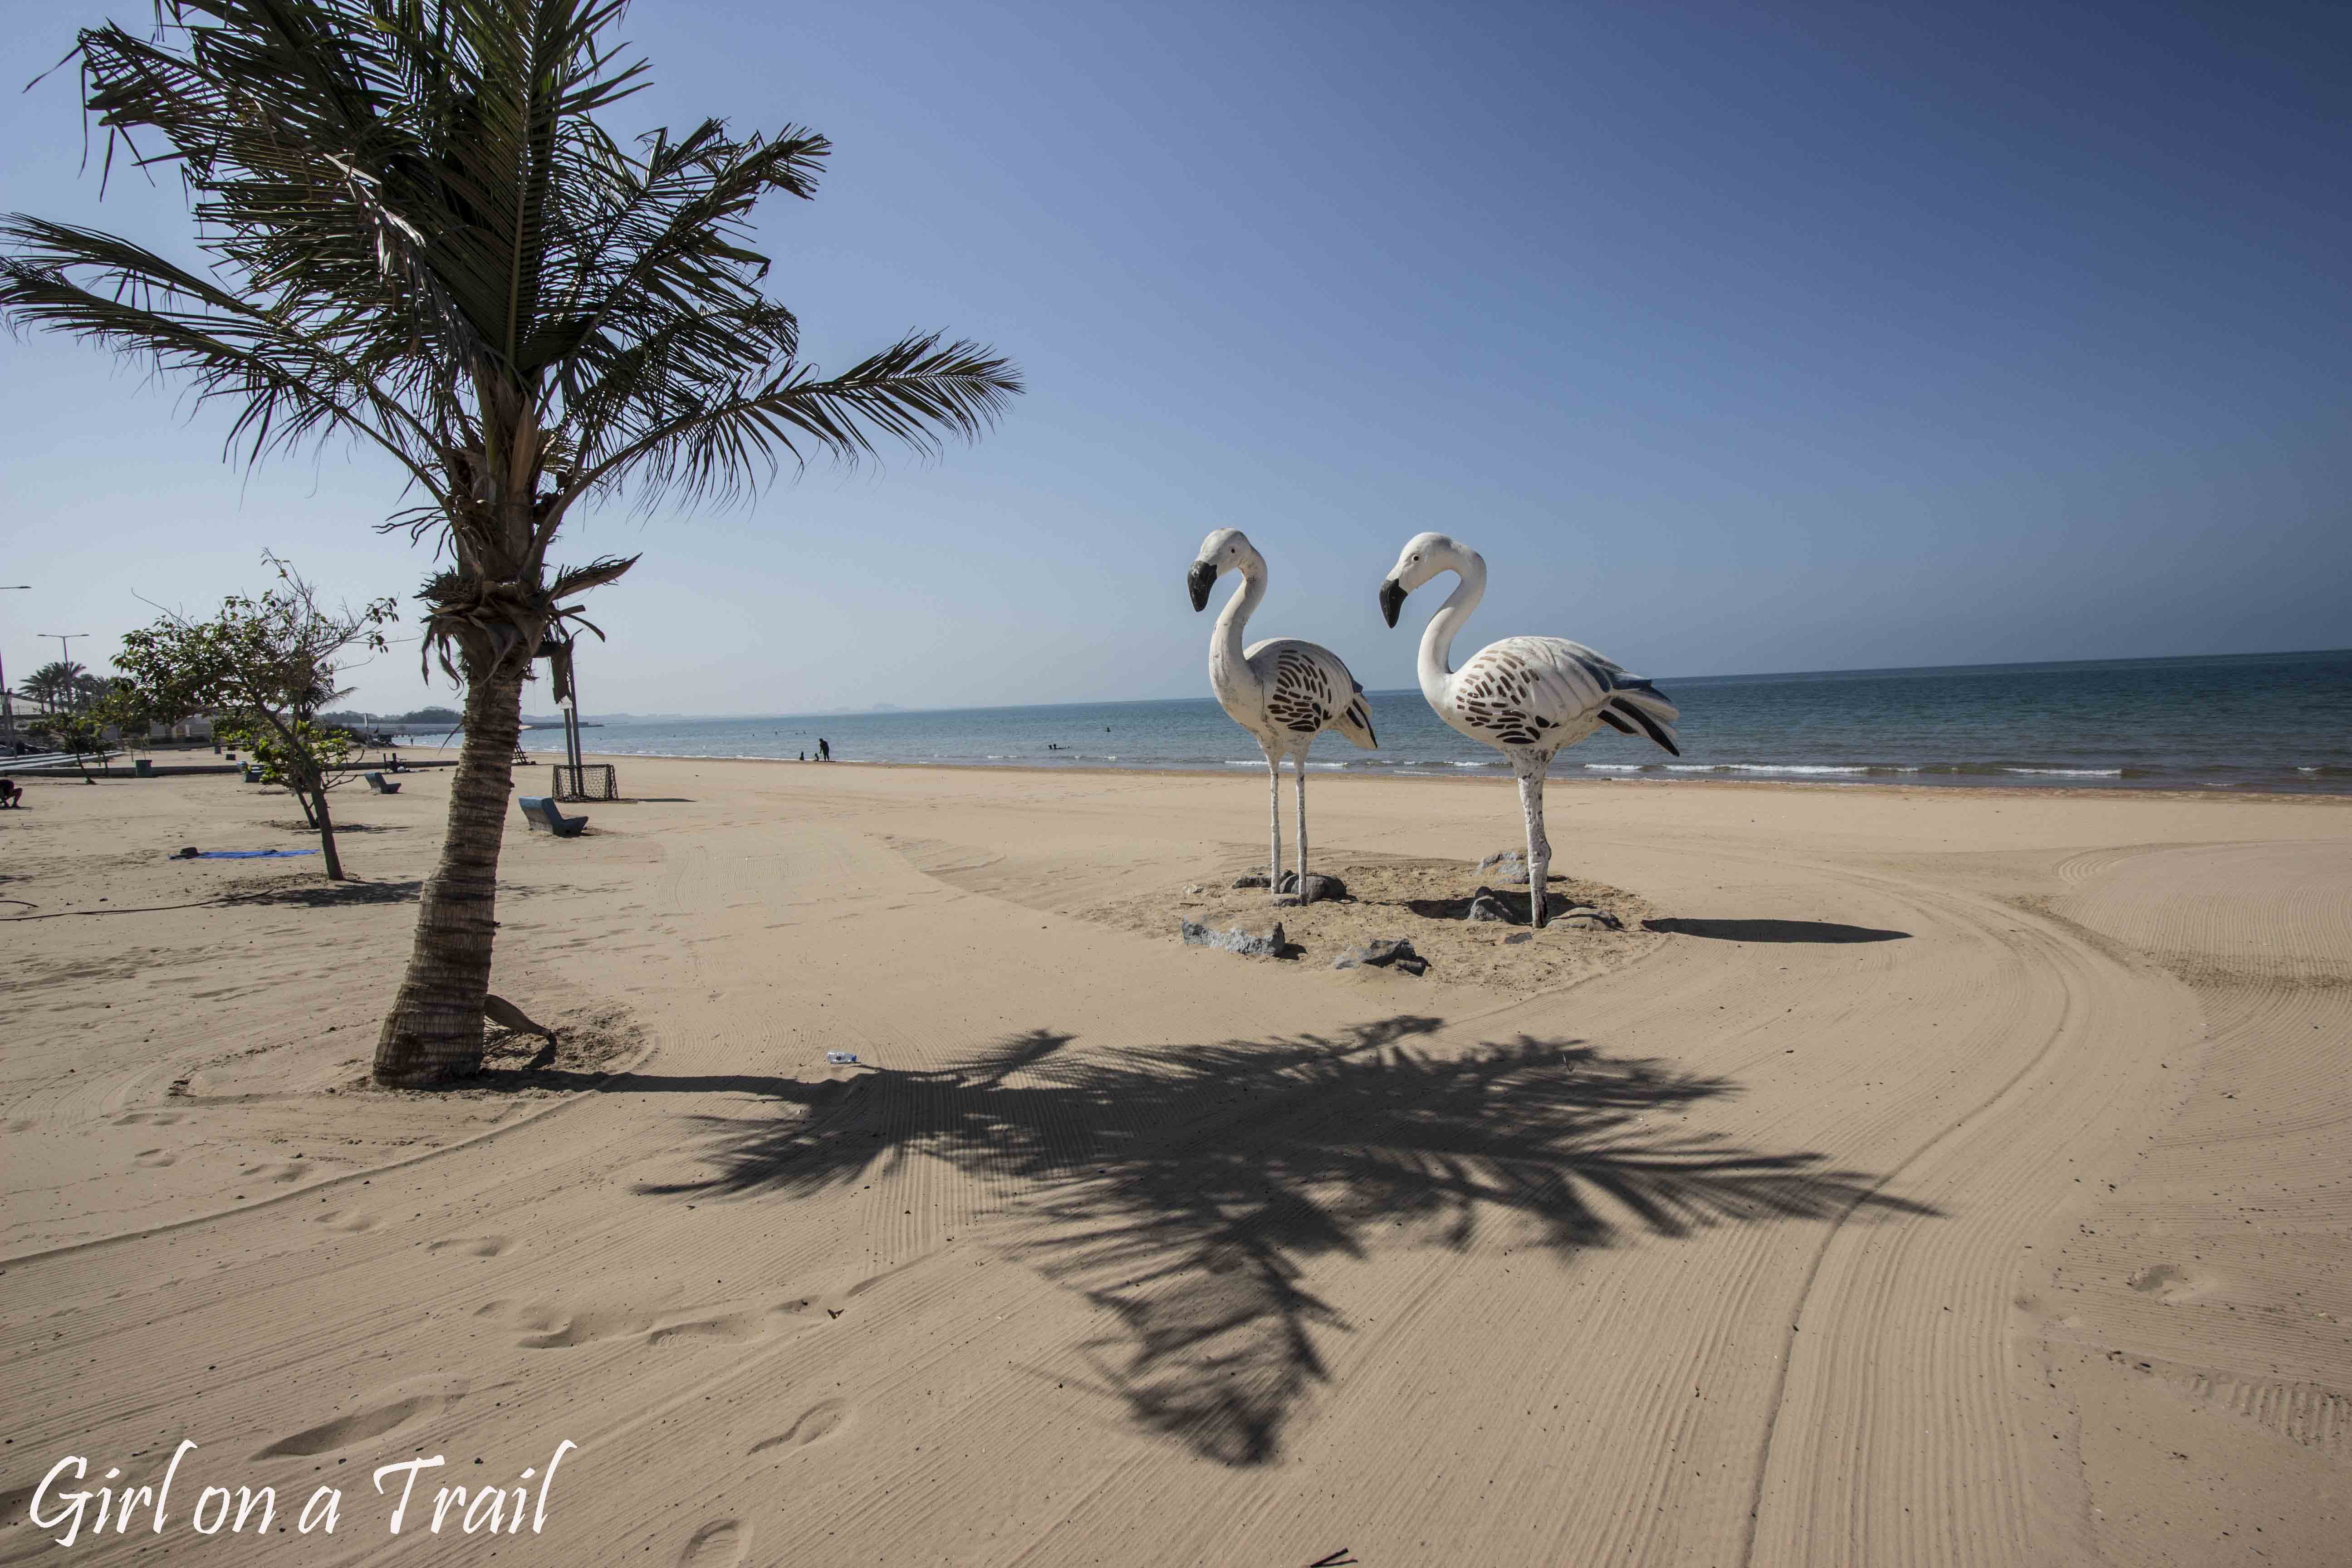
11 792
823 750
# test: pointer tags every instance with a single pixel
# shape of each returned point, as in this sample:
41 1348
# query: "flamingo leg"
1274 796
1299 762
1531 793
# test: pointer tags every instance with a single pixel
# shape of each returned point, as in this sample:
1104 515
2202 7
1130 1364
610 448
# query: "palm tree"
420 236
56 685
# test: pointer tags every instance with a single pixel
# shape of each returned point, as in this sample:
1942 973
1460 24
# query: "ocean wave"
2061 773
1608 768
1799 769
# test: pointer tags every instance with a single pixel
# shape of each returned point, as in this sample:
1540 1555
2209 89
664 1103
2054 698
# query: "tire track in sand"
1865 1364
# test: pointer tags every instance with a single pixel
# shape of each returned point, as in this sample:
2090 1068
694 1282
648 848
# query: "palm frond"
670 247
571 580
288 384
917 392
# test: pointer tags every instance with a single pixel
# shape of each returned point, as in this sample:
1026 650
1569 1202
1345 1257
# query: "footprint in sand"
351 1222
721 1543
549 1328
2168 1282
472 1246
154 1158
279 1170
817 1423
372 1420
871 1280
735 1328
726 1329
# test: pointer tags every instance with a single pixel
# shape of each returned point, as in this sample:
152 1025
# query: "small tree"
283 761
266 665
84 734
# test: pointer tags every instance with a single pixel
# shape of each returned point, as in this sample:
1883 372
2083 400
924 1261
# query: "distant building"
195 727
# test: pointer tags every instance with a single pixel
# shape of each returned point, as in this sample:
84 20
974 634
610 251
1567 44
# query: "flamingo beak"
1392 600
1199 580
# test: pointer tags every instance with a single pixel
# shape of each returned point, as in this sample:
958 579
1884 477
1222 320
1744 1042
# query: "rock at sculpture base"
1518 937
1384 954
1246 943
1584 917
1486 907
1252 880
1319 889
1508 867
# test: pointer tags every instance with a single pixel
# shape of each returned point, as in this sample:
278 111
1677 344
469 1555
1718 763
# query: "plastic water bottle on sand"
842 1058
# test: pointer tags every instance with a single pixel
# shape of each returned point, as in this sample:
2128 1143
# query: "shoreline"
1467 775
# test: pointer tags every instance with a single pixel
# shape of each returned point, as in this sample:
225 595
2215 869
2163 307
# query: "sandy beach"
1929 1176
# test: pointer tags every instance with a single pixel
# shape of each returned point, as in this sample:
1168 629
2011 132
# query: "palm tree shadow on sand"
1185 1190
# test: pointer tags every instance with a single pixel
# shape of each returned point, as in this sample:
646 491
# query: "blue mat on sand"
250 854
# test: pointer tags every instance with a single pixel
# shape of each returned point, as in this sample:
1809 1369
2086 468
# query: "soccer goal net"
596 780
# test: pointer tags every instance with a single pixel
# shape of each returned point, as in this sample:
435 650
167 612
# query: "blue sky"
1738 338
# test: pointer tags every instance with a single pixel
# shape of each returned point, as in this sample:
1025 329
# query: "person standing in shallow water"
823 750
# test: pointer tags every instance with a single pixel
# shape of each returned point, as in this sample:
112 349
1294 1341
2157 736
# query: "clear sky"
1737 337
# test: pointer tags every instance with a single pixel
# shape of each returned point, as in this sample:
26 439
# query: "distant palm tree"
56 685
420 236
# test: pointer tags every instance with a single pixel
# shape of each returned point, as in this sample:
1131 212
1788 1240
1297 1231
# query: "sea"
2249 723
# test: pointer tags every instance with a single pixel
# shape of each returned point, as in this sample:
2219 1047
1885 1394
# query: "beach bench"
376 782
539 812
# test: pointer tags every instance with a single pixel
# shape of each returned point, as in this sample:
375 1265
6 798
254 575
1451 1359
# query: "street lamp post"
65 658
7 707
65 654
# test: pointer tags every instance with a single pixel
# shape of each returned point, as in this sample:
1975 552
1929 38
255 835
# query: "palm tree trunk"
434 1033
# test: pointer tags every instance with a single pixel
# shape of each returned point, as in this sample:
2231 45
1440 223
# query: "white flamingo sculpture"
1526 697
1282 691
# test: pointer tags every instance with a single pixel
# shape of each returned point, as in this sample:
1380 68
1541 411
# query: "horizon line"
873 709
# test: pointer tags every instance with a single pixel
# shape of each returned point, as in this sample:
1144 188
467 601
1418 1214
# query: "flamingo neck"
1228 671
1437 640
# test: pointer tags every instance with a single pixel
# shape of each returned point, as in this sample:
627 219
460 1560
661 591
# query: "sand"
1944 1177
